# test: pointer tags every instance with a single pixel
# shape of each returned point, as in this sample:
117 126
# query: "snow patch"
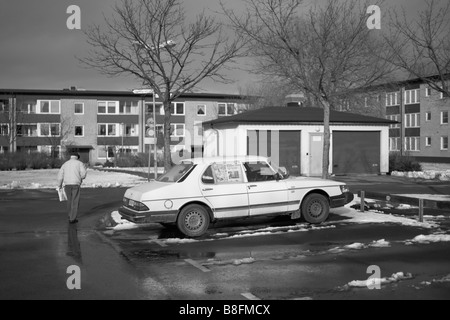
395 277
430 238
122 224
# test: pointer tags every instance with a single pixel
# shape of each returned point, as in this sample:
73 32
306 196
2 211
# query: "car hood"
153 190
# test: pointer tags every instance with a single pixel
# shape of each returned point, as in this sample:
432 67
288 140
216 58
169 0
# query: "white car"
200 191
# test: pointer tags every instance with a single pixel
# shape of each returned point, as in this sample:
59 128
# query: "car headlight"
344 189
135 205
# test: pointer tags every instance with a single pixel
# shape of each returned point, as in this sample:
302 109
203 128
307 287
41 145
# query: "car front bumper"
148 217
341 200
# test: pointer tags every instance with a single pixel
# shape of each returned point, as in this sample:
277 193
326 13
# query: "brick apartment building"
423 128
100 123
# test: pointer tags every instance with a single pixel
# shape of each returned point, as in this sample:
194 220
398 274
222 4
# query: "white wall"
232 140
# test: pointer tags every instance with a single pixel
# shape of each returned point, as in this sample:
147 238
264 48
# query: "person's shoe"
73 221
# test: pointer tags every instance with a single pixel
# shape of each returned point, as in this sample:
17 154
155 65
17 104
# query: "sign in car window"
227 172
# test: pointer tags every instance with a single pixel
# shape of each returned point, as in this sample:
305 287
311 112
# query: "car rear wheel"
193 220
315 208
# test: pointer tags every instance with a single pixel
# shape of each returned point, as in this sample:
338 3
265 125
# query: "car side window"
259 171
208 176
227 172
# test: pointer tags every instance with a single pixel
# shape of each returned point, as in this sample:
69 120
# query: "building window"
49 106
27 130
444 143
444 117
49 129
105 152
129 107
4 129
412 96
130 130
201 110
428 141
394 117
107 107
107 130
394 144
158 106
79 131
427 91
79 108
177 108
391 99
177 130
428 116
412 120
26 107
227 109
4 149
412 144
54 151
4 105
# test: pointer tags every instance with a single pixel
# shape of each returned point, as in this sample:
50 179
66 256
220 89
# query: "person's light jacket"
72 172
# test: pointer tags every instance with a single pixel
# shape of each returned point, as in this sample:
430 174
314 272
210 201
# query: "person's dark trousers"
73 200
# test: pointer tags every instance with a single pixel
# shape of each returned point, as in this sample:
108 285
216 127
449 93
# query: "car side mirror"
283 172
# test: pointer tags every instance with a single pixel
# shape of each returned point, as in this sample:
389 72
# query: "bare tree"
153 41
265 94
324 52
421 46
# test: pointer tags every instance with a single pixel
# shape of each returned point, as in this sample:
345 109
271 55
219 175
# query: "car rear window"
177 173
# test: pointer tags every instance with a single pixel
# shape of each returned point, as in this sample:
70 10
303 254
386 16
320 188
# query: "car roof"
206 160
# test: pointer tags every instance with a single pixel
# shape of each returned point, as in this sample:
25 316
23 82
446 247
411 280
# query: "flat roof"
93 93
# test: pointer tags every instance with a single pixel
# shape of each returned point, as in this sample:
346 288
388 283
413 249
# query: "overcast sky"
38 50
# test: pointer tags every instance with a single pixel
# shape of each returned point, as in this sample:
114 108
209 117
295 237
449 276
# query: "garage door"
356 152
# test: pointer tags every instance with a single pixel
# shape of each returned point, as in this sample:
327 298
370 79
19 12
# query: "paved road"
243 260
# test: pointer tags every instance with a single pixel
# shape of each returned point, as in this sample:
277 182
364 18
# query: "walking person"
71 175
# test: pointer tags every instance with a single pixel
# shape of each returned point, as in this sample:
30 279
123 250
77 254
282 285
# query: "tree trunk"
326 137
167 157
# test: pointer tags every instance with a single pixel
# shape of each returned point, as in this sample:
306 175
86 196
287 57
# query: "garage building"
293 138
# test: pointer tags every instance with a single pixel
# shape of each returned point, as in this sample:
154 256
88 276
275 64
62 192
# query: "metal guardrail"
393 198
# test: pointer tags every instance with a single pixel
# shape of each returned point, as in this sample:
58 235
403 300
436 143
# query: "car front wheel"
193 220
315 208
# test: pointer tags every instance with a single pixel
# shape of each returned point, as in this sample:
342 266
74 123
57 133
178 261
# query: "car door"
266 193
224 187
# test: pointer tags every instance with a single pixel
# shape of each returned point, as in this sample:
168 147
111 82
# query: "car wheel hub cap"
193 220
315 209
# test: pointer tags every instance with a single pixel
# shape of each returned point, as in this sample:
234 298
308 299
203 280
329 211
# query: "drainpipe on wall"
402 121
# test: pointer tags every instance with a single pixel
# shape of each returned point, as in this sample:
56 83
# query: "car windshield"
176 173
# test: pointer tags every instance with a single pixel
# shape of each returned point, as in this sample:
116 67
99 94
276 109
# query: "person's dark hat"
75 154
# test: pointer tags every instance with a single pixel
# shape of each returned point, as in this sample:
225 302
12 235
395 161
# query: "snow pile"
122 224
427 174
430 238
356 216
395 277
46 179
380 244
235 262
358 246
355 246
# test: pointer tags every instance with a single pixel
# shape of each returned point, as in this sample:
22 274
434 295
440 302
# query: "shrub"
39 160
404 163
19 160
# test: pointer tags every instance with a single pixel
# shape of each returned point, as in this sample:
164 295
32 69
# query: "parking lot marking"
250 296
197 265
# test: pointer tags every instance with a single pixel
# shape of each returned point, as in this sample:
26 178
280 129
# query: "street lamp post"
152 129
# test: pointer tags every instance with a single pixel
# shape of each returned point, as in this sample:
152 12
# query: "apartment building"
423 128
100 124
